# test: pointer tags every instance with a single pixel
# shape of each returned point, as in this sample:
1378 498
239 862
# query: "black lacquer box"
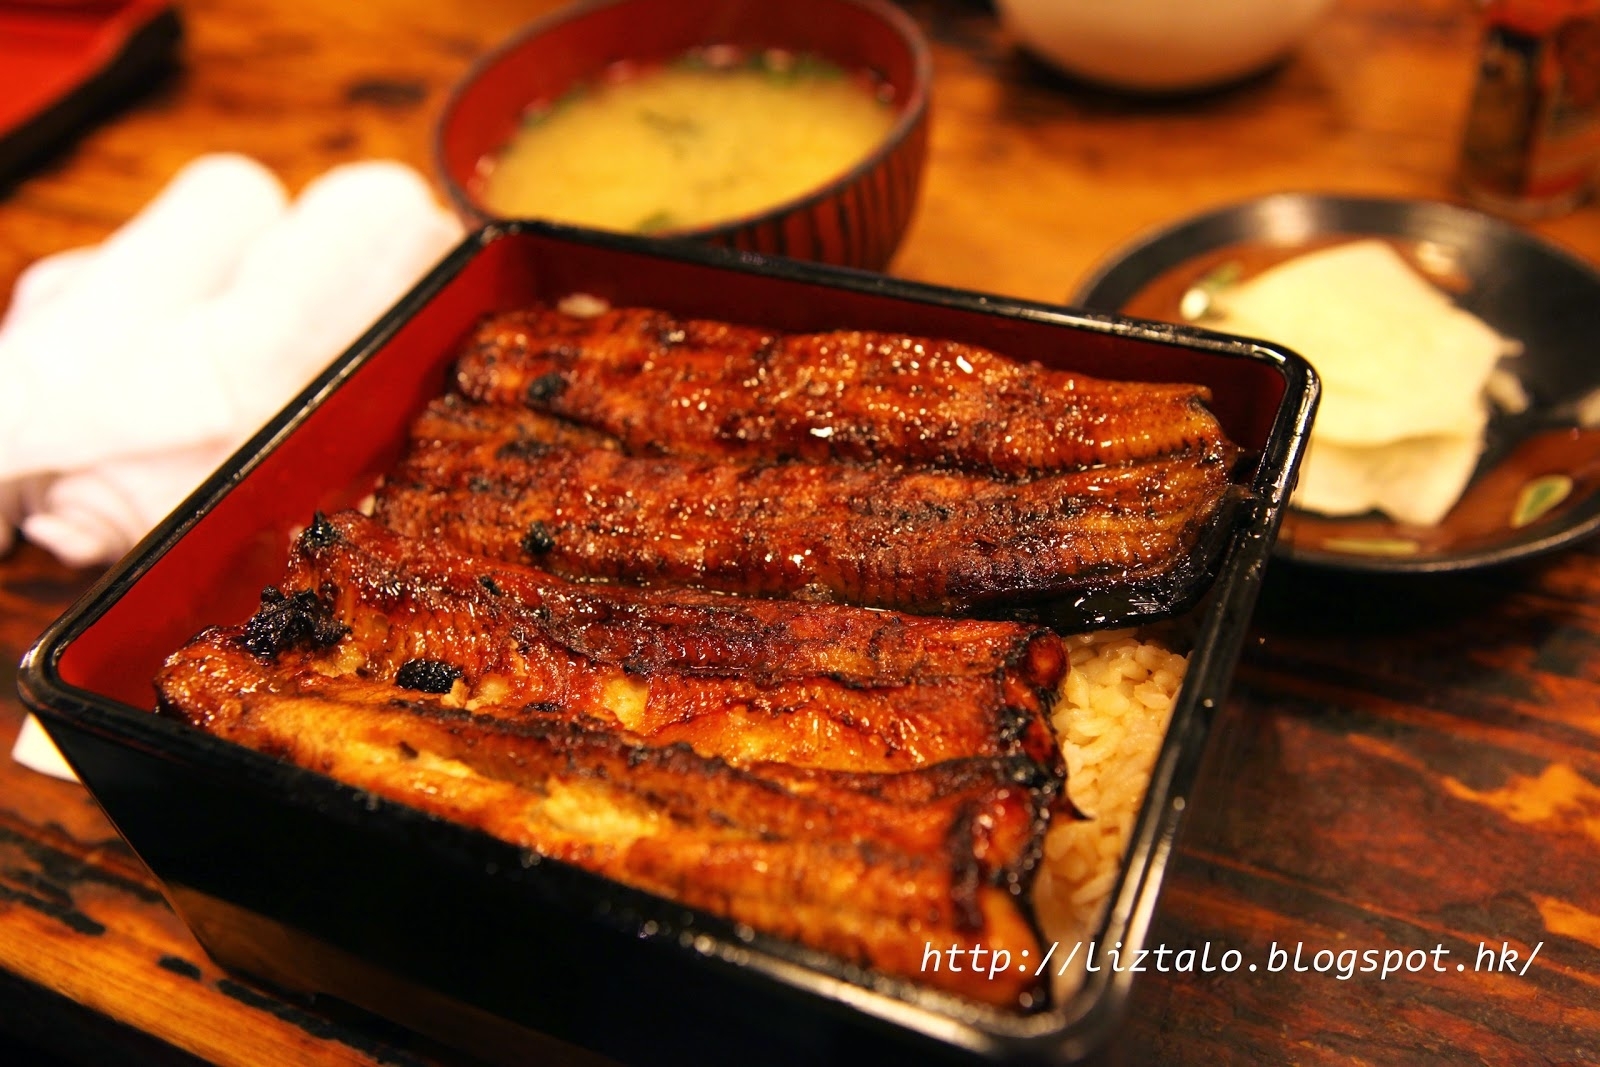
319 887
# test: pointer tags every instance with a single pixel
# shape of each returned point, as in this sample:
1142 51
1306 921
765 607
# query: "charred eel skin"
394 666
813 685
664 385
518 485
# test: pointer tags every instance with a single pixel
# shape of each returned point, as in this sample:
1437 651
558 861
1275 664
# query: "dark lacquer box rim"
1065 1030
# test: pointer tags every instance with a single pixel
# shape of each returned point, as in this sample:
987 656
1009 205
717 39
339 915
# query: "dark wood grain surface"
1405 767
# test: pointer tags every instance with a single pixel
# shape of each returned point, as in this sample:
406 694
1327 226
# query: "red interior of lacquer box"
215 573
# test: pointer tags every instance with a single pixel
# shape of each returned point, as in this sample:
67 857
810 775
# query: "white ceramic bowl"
1160 45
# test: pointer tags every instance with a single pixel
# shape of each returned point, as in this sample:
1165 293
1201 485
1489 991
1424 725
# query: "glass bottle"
1532 141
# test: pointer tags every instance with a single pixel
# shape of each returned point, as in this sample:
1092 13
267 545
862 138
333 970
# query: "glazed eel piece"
866 866
661 384
519 485
745 680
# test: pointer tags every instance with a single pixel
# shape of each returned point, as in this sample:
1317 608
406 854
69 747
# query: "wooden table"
1412 766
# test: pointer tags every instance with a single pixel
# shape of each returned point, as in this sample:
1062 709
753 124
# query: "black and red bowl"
855 220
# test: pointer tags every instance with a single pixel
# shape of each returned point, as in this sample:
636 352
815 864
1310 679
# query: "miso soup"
689 144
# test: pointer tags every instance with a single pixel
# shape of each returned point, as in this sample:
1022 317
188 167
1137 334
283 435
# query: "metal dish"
320 887
1543 458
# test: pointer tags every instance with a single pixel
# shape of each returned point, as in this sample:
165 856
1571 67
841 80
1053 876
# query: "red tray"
65 63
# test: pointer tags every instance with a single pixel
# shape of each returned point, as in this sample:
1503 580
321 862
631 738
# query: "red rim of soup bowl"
871 203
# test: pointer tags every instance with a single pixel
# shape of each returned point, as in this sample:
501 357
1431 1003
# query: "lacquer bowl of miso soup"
788 127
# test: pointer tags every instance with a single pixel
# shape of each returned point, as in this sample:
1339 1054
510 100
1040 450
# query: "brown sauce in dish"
1533 485
1485 514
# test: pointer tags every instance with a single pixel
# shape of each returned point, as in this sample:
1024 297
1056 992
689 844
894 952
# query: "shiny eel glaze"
664 385
519 485
506 699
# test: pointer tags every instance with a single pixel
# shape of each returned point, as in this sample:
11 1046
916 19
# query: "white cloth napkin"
35 750
130 370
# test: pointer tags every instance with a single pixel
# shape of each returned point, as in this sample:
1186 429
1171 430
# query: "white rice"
1110 718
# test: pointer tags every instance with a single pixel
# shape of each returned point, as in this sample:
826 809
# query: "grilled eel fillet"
519 485
660 384
865 865
745 680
